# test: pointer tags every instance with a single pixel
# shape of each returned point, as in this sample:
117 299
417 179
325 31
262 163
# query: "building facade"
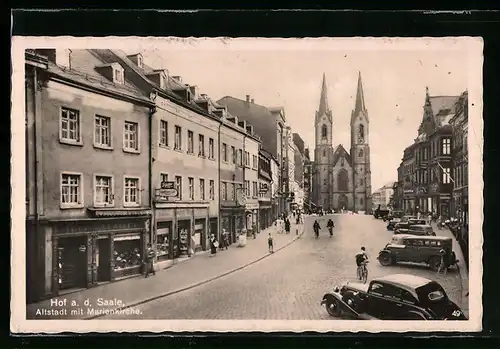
341 179
308 180
275 187
251 163
265 190
382 197
88 172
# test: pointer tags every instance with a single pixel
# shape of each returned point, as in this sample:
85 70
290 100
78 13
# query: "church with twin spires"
342 179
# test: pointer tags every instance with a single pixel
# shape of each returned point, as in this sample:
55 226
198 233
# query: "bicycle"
363 272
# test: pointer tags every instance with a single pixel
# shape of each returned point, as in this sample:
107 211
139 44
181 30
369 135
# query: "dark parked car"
381 212
393 297
402 227
393 215
418 249
392 223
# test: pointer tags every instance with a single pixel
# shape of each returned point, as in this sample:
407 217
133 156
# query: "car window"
384 290
406 296
435 296
419 243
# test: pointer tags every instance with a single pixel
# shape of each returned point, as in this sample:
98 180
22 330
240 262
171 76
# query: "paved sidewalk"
195 271
464 274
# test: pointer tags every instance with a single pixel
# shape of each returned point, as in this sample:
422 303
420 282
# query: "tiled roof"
340 151
443 107
260 117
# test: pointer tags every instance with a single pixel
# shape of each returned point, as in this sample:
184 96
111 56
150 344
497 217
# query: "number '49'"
456 313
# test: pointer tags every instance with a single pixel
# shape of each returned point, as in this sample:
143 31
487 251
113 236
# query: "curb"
196 284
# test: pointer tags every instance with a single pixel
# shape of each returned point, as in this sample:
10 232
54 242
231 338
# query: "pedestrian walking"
443 267
150 256
439 222
213 245
270 243
316 229
287 226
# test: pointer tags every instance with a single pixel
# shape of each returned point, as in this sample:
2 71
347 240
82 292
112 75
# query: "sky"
282 73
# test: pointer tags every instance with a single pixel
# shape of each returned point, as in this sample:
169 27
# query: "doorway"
103 260
343 202
72 262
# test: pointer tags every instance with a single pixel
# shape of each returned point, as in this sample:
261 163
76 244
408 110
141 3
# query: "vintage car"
394 215
418 249
392 223
402 227
421 229
392 297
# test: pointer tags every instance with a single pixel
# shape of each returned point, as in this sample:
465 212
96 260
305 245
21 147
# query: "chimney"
253 100
248 98
177 78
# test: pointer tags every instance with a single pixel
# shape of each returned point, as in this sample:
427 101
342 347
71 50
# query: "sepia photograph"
246 184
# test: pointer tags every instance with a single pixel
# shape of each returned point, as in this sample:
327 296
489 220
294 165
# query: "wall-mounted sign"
241 199
264 188
167 190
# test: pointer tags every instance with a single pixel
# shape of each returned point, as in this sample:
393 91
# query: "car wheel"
434 263
333 307
385 259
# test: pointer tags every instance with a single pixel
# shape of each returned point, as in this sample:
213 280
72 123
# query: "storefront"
90 251
180 230
251 216
265 214
232 220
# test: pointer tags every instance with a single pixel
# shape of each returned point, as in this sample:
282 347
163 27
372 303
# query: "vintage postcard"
246 184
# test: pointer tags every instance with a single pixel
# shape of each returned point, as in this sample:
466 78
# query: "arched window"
342 180
360 154
324 131
361 133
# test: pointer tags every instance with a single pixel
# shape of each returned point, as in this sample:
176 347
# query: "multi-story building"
89 196
308 177
383 196
270 125
265 189
275 187
299 160
426 166
251 164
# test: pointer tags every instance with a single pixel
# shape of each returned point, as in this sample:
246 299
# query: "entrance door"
343 202
73 262
104 260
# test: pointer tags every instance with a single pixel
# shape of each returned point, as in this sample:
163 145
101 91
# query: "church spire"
360 97
323 101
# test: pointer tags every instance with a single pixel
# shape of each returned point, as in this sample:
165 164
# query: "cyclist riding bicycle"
361 261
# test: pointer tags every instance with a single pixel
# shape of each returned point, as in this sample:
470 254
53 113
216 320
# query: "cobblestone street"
291 283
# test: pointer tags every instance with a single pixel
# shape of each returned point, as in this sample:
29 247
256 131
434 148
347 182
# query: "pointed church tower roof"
323 101
360 97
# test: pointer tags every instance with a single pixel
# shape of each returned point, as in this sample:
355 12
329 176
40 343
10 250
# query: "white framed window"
178 138
446 146
211 190
164 133
178 186
70 127
247 159
211 149
103 190
71 190
190 149
201 145
118 76
132 191
131 137
102 131
224 152
202 189
446 175
191 188
139 61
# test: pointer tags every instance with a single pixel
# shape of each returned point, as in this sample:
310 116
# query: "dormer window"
118 77
163 81
139 61
188 96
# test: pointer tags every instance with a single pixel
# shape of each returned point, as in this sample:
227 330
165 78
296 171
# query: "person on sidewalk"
439 222
213 245
330 226
316 229
287 225
270 243
150 256
443 267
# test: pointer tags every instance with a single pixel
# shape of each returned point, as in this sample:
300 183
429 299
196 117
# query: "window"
178 186
240 157
191 188
178 138
446 146
202 189
131 136
386 291
190 149
139 61
224 152
247 159
164 133
118 76
361 201
233 154
361 133
247 188
324 132
254 162
70 126
324 153
103 190
102 135
201 145
342 180
255 190
211 152
131 196
211 190
163 178
360 154
224 191
446 175
232 191
407 297
71 190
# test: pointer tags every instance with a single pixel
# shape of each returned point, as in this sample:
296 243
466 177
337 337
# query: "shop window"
163 235
183 233
199 235
127 252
